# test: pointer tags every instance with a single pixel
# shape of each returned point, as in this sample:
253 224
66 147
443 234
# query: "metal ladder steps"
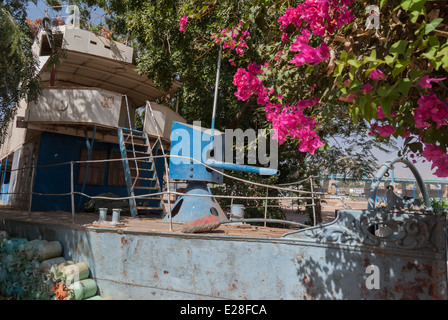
140 152
134 136
143 169
147 188
136 144
142 178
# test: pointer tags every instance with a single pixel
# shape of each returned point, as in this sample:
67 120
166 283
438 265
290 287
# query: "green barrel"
45 266
49 250
75 272
30 248
94 298
56 269
83 289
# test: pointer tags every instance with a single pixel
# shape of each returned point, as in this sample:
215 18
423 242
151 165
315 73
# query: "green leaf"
371 58
399 47
390 60
354 63
386 103
433 41
338 70
430 54
404 85
432 25
368 110
400 66
382 2
413 16
355 83
382 91
411 48
445 62
412 5
415 147
355 115
362 104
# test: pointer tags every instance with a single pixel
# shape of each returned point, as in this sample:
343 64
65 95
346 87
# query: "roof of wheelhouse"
92 60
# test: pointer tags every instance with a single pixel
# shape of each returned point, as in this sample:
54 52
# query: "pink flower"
301 41
385 131
309 54
373 127
425 82
183 23
367 88
438 157
347 97
289 120
381 115
407 133
376 74
431 107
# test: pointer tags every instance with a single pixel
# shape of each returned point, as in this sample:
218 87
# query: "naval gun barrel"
242 167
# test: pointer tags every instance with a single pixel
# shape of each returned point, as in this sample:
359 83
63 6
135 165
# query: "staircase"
140 175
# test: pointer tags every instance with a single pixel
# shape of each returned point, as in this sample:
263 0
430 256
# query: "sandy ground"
328 210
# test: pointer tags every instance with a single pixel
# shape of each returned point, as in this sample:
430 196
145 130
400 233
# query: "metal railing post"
72 191
312 200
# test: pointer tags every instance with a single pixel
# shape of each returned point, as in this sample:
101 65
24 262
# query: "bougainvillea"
307 32
182 23
305 50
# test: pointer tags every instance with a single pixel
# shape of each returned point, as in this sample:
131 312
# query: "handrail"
389 165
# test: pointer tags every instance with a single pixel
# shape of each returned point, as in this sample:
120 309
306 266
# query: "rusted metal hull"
338 260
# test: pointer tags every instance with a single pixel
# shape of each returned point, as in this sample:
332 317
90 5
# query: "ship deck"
153 223
148 223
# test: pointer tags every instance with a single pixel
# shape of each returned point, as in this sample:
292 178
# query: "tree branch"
244 110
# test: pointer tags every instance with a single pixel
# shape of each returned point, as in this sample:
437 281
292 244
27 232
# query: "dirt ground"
329 207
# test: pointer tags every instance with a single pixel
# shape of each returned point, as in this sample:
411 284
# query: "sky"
38 10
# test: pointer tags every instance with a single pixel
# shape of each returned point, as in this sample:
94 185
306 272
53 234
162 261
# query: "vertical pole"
3 182
215 99
31 189
72 187
266 207
167 169
89 156
414 188
312 200
168 187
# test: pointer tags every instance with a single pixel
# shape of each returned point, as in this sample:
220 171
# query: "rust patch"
123 241
137 246
165 271
428 269
413 290
156 276
309 284
366 262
